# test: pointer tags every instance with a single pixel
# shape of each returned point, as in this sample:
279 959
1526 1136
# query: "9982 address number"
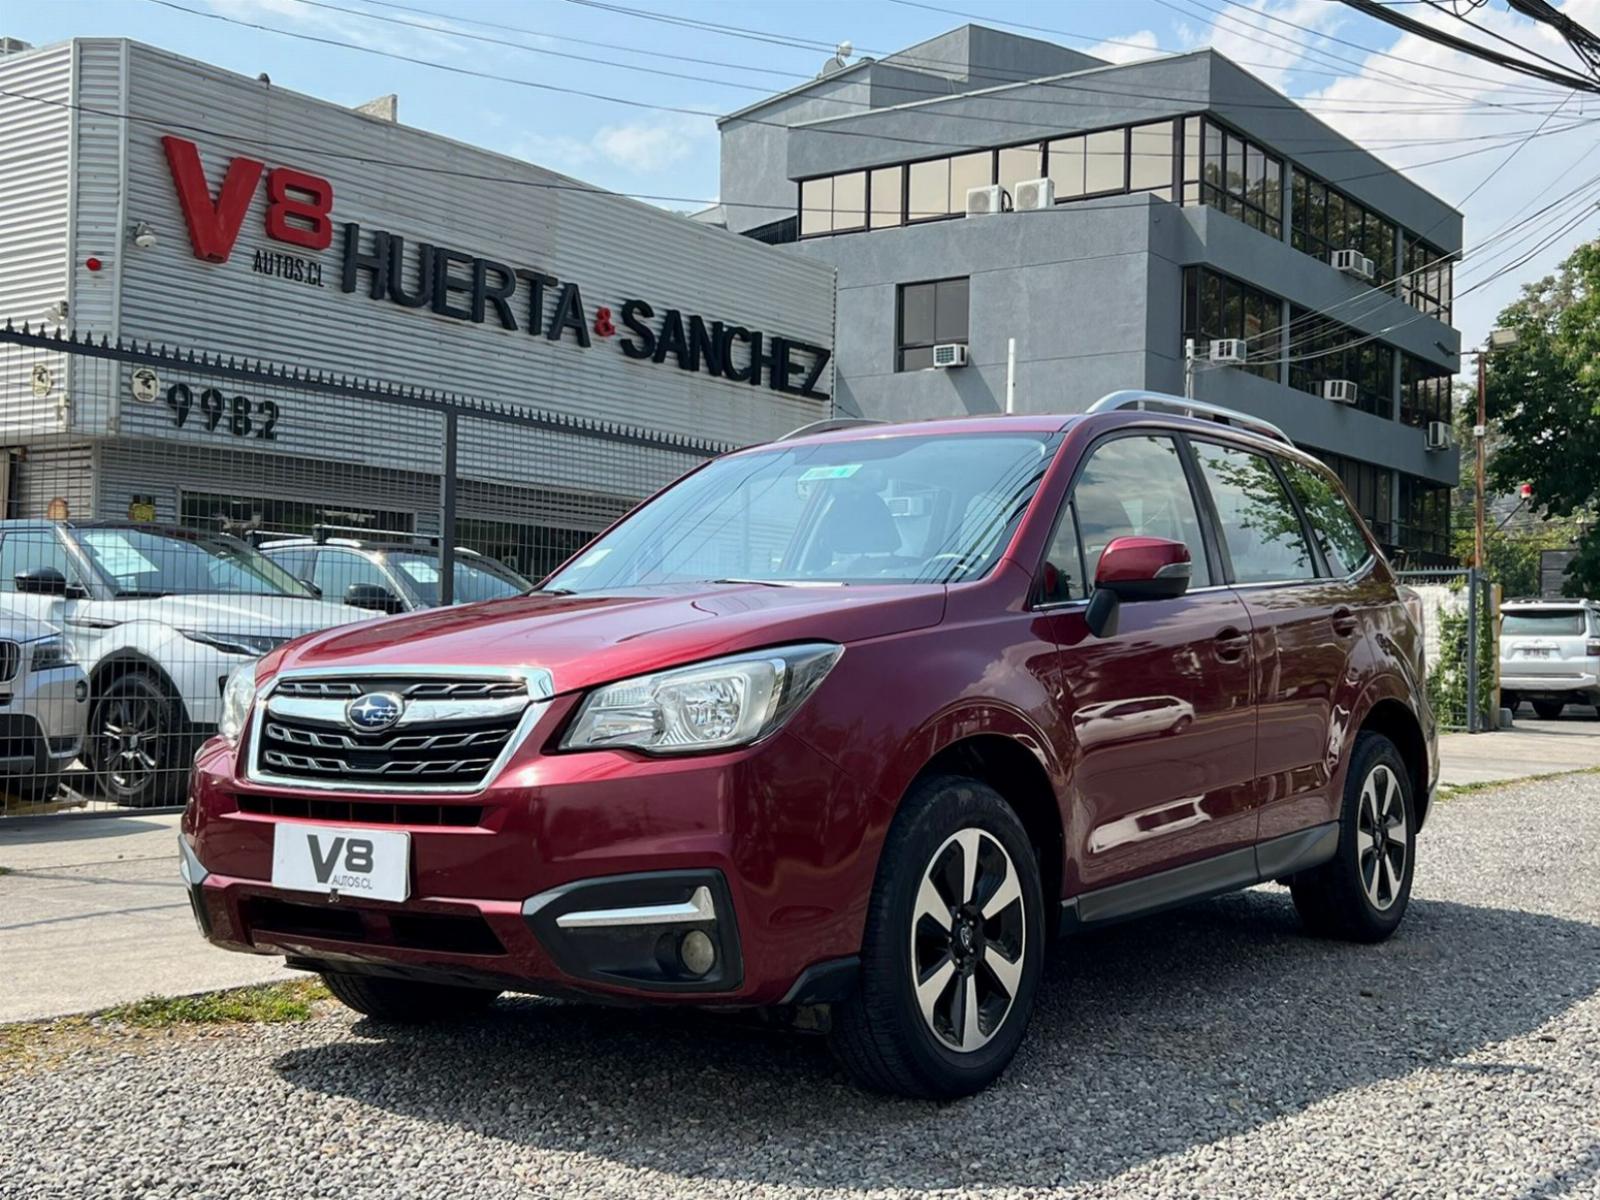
235 414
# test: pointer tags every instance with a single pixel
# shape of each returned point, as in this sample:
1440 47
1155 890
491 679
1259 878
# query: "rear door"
1546 648
1307 602
1163 759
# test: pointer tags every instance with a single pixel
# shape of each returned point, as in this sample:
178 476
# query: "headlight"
709 706
237 697
49 652
252 644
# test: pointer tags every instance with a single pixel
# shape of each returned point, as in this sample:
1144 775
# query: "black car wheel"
1549 710
953 947
1362 893
136 747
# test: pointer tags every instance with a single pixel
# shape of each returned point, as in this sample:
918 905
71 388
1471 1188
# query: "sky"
1515 145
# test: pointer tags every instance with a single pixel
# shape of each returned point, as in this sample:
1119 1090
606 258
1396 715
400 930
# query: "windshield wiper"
783 583
139 594
549 592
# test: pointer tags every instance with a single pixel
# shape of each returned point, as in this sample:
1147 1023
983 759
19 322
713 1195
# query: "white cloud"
1269 49
1130 47
392 33
637 148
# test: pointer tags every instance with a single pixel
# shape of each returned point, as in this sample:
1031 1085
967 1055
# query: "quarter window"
929 314
1133 487
1063 565
1337 530
1260 525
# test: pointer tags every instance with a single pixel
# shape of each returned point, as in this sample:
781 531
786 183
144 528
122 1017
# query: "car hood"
590 639
20 627
272 616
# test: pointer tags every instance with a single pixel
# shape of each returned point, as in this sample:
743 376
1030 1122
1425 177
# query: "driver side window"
1133 487
22 552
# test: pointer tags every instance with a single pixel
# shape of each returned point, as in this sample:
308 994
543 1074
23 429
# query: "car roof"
303 540
1560 602
109 523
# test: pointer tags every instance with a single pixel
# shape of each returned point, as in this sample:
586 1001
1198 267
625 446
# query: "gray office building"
1186 200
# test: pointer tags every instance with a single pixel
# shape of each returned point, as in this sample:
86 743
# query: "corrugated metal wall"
35 157
614 249
46 471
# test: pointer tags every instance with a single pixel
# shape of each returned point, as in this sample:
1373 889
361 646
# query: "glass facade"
1219 306
1428 284
1371 490
1324 219
1232 174
1321 349
1424 392
1424 523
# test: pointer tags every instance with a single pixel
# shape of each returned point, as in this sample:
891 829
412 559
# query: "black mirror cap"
42 581
373 596
1105 606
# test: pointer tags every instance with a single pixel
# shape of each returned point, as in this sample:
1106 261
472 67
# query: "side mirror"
1135 568
43 581
372 596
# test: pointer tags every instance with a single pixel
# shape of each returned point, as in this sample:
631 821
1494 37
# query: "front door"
1163 760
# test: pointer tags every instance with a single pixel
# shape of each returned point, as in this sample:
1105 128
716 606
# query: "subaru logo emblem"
374 712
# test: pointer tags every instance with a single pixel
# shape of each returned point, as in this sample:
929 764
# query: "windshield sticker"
591 558
840 472
117 556
420 569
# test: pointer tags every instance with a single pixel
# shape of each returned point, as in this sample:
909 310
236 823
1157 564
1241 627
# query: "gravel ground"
1212 1053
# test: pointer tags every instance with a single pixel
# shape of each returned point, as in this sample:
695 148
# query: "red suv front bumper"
774 834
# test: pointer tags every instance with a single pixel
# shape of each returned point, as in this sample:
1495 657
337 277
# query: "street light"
1499 339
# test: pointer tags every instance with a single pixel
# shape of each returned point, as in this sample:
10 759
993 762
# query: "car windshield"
476 578
907 509
152 562
1547 622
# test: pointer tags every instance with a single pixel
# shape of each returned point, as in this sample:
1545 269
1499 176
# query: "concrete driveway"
92 912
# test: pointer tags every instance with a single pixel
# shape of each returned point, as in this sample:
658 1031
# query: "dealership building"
1182 199
152 199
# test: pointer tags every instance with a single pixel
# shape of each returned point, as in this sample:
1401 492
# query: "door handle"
1344 622
1230 644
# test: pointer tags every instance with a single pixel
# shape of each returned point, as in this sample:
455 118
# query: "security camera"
143 235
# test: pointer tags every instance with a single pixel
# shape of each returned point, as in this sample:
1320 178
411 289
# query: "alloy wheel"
968 937
130 737
1382 839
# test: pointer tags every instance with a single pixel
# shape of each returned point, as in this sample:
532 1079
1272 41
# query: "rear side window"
1335 527
1259 523
1136 486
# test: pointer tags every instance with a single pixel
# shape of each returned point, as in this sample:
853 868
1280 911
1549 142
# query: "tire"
1358 896
989 948
406 1001
136 747
1549 710
33 789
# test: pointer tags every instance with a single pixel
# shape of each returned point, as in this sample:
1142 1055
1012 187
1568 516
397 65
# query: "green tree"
1543 398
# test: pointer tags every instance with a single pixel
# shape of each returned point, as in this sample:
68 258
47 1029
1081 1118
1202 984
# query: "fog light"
697 953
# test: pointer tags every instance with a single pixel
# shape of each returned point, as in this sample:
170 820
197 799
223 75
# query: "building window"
1429 279
1324 219
1232 174
1216 306
887 196
1424 392
834 204
1323 350
1424 526
1018 163
928 314
1151 159
1370 488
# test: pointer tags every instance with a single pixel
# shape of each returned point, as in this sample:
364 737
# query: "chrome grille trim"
443 696
10 660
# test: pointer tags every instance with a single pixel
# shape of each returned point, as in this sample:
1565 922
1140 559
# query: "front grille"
363 812
451 734
10 660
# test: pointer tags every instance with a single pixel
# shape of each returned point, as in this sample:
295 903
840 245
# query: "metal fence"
169 515
1461 609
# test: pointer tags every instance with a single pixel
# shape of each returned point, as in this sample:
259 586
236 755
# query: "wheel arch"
1013 770
127 661
1395 721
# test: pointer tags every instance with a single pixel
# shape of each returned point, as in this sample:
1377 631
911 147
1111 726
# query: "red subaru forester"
861 719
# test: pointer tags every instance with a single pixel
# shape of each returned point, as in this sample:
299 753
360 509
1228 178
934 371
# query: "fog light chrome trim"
698 907
190 868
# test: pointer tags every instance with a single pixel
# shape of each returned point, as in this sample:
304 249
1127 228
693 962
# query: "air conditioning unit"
1340 391
1034 193
1440 436
950 354
1228 350
1352 262
981 201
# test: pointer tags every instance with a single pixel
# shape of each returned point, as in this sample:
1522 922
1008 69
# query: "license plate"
1536 654
367 863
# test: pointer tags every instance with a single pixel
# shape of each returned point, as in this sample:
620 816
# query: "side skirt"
1213 876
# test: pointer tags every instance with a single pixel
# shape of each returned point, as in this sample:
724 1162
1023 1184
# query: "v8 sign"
298 204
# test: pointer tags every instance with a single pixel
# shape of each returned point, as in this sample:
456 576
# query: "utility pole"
1479 436
1188 368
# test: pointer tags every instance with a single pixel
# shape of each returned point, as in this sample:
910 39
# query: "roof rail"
828 425
1179 405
